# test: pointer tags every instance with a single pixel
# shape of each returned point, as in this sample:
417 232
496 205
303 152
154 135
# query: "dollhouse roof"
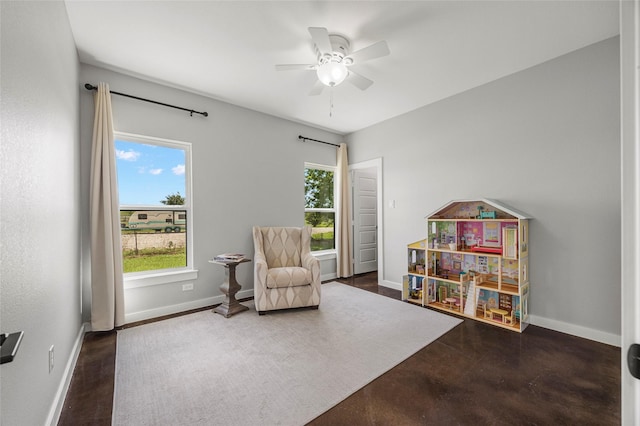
460 208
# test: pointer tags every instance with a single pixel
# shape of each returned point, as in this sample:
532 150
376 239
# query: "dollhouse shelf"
470 251
445 279
477 262
488 250
414 301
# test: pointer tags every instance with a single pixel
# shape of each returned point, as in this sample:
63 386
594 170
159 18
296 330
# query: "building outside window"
154 187
319 212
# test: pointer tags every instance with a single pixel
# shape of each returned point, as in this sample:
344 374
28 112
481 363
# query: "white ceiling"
227 49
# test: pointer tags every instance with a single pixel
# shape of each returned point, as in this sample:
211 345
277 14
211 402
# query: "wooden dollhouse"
476 257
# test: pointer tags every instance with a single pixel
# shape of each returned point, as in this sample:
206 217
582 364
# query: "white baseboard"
243 294
576 330
390 284
562 327
181 307
61 393
328 277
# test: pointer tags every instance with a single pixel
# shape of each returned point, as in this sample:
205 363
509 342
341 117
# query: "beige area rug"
284 368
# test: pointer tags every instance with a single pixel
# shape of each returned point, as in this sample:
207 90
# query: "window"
154 188
319 212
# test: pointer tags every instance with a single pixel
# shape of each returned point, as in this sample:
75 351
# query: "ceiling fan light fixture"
332 73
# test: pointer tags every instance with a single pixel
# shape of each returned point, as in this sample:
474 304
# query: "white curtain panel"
107 293
344 243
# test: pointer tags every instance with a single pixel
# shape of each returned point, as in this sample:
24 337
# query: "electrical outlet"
187 287
50 358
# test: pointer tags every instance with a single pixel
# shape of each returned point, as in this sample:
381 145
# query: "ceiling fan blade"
289 67
320 37
359 81
318 87
376 50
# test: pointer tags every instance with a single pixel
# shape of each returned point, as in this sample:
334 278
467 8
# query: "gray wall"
545 141
247 170
40 206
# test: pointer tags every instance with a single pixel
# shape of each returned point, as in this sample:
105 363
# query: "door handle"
633 360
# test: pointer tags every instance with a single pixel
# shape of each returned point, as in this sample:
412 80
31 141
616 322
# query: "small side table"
500 312
450 301
230 287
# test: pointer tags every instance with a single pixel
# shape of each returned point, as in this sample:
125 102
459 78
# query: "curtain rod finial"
89 87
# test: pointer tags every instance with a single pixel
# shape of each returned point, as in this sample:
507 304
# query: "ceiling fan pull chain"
331 102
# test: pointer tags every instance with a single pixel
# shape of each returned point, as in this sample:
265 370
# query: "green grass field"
322 241
166 258
152 259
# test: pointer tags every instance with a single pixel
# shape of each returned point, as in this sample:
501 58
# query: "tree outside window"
319 184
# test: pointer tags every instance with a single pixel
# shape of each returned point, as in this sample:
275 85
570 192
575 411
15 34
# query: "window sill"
159 278
325 254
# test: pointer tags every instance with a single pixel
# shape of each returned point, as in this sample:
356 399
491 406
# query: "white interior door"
365 220
630 130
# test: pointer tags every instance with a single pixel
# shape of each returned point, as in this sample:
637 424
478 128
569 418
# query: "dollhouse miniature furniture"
451 301
510 319
498 311
442 292
286 274
487 312
478 251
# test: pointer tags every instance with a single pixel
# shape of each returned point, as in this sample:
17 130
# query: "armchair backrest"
282 246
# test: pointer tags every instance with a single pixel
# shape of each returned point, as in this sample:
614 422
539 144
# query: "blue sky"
148 173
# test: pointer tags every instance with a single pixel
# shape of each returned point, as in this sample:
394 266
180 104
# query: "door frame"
630 194
377 164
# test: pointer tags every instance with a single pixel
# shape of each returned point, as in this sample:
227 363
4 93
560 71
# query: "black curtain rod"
316 140
190 111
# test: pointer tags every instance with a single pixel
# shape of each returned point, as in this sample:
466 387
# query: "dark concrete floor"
475 374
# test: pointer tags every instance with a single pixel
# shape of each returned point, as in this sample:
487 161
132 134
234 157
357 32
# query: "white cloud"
178 170
127 155
155 171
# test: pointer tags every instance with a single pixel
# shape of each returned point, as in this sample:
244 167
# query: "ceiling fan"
335 58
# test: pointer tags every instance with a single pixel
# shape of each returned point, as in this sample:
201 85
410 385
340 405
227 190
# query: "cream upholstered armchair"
286 274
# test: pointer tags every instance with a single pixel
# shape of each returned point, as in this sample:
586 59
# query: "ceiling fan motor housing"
340 47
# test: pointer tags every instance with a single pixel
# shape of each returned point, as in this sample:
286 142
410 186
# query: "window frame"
328 253
170 275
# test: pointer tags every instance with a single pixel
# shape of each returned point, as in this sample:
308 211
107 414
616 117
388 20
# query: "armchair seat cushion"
289 276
